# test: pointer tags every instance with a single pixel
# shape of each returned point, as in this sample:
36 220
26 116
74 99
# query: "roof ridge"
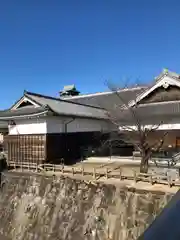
59 99
166 72
104 93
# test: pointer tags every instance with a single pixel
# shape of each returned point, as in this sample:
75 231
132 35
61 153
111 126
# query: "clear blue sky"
46 44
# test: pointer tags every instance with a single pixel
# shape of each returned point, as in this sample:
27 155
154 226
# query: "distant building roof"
107 99
69 90
69 87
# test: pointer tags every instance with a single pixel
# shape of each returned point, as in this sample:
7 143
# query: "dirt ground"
111 167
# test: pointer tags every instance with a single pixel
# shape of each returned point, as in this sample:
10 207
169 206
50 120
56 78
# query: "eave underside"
23 113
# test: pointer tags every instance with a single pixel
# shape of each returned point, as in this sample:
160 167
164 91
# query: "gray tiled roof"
108 99
149 113
63 107
160 108
95 105
24 111
3 125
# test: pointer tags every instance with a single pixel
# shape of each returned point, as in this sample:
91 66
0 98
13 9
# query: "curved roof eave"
7 118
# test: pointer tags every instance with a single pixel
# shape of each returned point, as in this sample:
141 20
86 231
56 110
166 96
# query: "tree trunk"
144 162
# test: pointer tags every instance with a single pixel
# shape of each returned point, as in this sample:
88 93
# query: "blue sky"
45 45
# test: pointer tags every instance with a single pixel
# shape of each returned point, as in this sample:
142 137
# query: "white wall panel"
1 138
28 126
55 125
87 125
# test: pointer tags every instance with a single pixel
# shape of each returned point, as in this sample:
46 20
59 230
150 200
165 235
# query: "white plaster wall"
1 138
55 125
28 126
87 125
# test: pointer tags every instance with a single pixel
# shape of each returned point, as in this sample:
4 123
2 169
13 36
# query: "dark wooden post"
120 173
94 172
106 173
135 176
82 170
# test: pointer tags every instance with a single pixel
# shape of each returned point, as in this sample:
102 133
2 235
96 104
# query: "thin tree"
133 127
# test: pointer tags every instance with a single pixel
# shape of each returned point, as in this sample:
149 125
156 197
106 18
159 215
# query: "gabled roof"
168 73
56 106
22 100
165 80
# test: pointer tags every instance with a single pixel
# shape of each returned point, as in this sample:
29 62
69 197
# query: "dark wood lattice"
26 148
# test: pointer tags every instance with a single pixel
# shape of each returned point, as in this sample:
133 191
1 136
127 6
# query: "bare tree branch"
133 126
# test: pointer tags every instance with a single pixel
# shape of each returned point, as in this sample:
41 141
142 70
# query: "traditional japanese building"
157 102
45 129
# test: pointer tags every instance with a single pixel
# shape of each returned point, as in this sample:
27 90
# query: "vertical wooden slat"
38 139
20 148
26 148
33 149
17 148
30 146
10 152
25 156
45 148
13 147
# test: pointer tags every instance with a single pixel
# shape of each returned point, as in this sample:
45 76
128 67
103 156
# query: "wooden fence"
96 173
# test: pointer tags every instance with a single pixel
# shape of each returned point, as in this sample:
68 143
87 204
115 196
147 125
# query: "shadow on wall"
3 162
96 145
